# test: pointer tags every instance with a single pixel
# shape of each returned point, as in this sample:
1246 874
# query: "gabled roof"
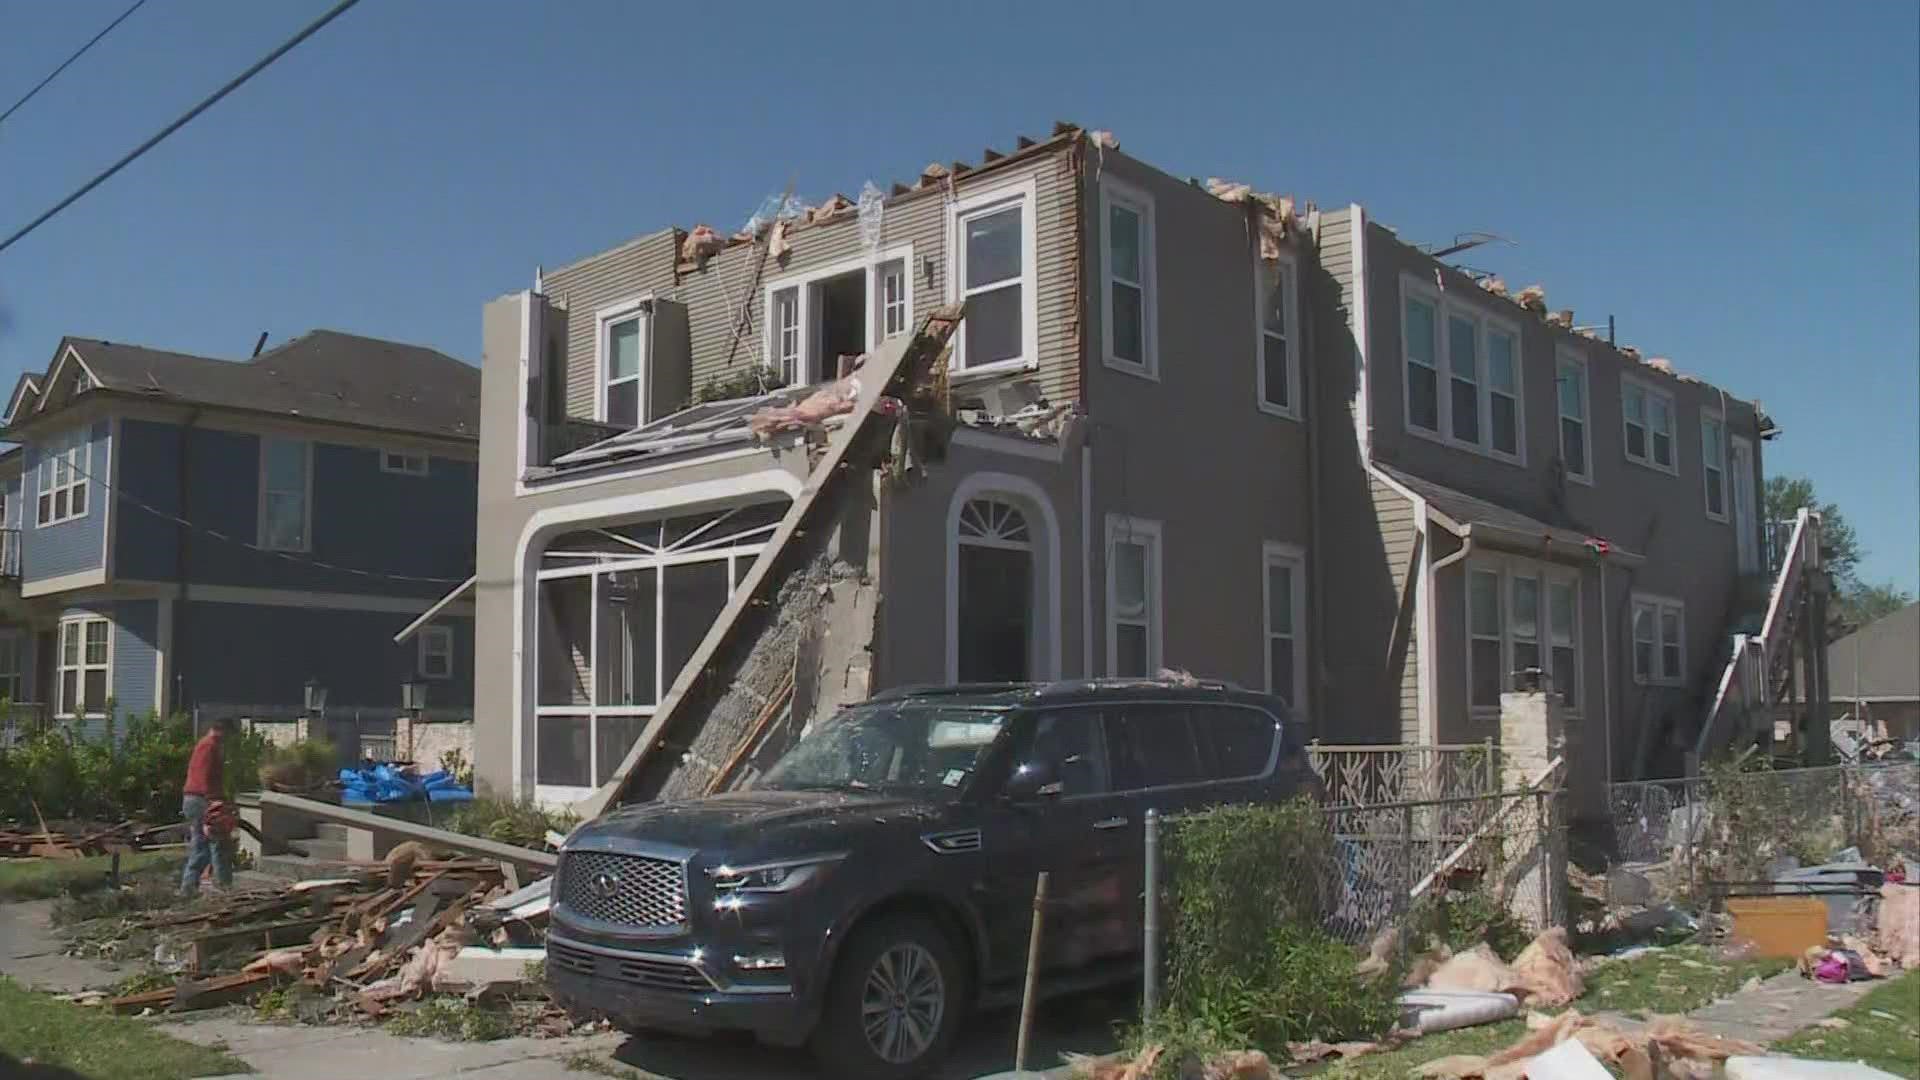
26 394
323 375
1878 662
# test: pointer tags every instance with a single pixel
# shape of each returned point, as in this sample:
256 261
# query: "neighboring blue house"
181 531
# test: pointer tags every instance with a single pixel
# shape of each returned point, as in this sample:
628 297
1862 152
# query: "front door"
1745 528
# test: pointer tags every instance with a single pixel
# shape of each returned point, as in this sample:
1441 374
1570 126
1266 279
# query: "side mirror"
1033 780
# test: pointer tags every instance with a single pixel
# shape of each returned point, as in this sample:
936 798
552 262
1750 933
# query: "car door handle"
1111 823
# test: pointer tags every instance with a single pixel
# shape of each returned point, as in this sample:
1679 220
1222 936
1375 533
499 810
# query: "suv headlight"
777 877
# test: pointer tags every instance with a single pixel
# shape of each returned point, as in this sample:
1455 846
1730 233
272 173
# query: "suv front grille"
625 890
657 973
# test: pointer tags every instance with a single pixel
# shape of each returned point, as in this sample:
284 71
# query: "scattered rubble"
78 840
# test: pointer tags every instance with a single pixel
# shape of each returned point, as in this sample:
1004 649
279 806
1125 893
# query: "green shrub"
134 770
521 822
298 766
452 1018
1248 960
1461 920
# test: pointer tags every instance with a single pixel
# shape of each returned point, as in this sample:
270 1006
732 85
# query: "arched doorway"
995 592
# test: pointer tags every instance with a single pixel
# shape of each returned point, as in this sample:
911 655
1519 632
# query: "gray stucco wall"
77 544
363 517
1192 450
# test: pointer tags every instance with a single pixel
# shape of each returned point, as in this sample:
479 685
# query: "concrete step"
301 868
326 830
322 850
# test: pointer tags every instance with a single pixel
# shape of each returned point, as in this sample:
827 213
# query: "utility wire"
311 28
55 73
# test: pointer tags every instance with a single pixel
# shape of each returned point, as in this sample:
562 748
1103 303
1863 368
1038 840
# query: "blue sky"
1738 185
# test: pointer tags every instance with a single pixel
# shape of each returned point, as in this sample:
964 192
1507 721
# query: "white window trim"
1673 418
1274 553
76 446
1117 192
63 708
876 290
1288 267
1658 605
1708 465
1032 500
435 642
260 523
1445 308
1119 527
1506 568
1023 193
604 319
1579 362
802 282
410 462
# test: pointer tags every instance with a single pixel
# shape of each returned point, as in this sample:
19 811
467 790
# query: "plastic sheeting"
391 784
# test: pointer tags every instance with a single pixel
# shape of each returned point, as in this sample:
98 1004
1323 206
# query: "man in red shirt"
205 781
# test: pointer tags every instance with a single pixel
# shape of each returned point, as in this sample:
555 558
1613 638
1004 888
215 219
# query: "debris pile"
833 399
368 942
1686 1050
78 840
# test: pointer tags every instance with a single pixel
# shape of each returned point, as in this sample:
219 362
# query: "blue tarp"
390 784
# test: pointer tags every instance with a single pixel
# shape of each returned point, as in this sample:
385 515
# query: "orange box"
1782 926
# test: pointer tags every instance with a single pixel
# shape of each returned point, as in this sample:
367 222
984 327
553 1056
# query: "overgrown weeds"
521 822
298 766
1462 919
454 1019
1248 961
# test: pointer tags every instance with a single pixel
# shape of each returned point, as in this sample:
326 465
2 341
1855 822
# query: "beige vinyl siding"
1398 535
1336 255
714 295
639 266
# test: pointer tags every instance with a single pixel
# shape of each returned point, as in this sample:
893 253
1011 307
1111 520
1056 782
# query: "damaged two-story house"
1177 426
229 536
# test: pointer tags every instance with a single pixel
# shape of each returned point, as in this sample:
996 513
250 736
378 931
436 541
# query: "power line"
311 28
55 73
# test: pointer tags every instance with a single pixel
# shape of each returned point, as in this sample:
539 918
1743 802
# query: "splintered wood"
368 939
82 841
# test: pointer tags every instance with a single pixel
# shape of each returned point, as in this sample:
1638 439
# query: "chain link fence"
1684 841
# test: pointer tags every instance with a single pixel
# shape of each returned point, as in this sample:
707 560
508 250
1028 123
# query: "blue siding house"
185 532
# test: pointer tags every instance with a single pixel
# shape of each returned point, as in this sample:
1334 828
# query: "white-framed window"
436 652
404 462
1284 592
13 665
993 274
1659 640
1647 414
894 295
82 671
1713 463
1133 596
620 349
1522 615
620 610
286 494
783 333
1463 378
66 466
813 317
1276 309
1576 441
1128 307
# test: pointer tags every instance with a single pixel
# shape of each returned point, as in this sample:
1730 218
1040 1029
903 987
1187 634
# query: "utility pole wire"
95 40
335 12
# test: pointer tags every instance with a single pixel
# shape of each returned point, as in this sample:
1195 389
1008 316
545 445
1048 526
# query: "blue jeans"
201 848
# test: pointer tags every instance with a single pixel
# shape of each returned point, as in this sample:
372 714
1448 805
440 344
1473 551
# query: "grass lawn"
44 879
1675 980
1398 1064
36 1030
1882 1029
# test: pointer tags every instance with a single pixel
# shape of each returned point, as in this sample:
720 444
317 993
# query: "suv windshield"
926 747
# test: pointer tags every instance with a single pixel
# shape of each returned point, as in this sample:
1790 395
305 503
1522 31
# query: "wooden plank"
273 935
877 379
525 858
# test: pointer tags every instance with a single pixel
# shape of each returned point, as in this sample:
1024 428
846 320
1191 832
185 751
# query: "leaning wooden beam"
524 858
878 379
1453 858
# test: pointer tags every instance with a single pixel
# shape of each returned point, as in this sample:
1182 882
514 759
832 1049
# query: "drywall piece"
1791 1068
1570 1060
1428 1011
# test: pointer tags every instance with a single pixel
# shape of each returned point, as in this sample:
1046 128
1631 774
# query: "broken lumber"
1453 858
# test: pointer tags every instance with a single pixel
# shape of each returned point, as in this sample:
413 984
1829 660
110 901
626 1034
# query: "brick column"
1533 731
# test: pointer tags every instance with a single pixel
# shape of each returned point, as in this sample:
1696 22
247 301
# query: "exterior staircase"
1780 670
